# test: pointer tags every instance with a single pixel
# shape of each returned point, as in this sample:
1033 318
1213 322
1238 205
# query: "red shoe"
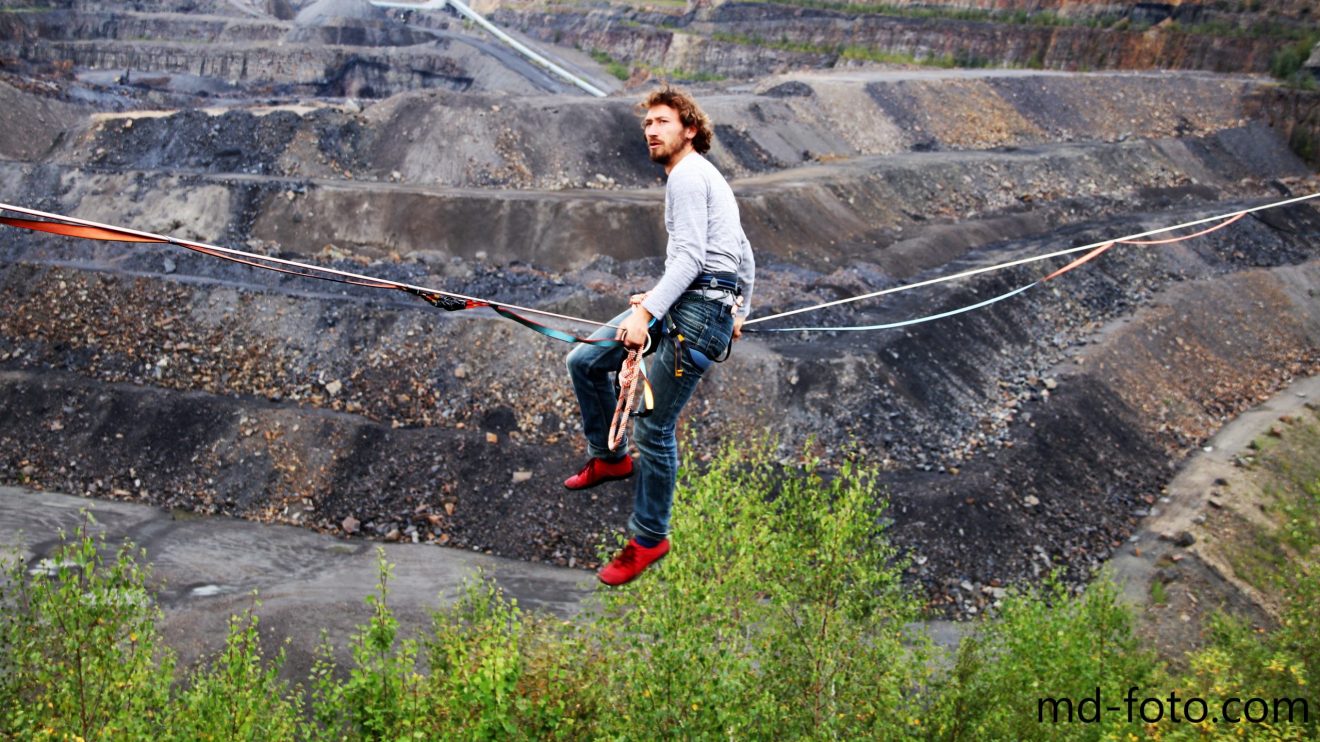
599 471
631 562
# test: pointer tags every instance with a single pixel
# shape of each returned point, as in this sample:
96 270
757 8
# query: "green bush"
238 697
721 640
484 672
383 696
780 614
1045 643
1287 64
79 654
1244 662
498 674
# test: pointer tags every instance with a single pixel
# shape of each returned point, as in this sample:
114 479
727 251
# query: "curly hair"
689 114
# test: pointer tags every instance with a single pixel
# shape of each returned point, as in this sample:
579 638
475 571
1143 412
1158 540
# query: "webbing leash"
451 303
632 372
80 228
1092 251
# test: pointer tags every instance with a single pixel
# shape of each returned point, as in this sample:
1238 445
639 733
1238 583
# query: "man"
703 298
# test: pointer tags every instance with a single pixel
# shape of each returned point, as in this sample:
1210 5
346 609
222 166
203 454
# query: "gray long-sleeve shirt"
705 234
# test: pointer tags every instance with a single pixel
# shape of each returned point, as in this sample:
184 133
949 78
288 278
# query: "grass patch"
1299 527
611 65
624 72
678 75
1242 661
1159 595
1287 467
1256 555
1046 642
1268 28
666 4
853 52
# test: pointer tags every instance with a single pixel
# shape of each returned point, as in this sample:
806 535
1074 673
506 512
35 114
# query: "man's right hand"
634 330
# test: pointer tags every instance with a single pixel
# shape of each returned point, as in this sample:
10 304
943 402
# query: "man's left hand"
737 325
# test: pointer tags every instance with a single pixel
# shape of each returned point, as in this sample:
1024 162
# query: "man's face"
665 134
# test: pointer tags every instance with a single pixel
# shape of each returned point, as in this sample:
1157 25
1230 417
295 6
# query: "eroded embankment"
437 138
882 215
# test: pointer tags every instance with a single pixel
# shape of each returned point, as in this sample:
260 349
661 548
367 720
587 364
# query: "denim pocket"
707 327
691 319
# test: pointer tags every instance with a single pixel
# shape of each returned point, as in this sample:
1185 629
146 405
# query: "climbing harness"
727 289
684 350
633 372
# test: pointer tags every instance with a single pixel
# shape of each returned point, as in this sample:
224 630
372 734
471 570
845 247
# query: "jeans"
706 326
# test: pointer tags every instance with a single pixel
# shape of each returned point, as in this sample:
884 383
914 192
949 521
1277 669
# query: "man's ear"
690 133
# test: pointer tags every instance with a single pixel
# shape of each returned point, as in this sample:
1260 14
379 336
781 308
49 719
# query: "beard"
664 154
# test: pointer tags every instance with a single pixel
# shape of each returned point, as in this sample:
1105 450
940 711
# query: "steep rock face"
1241 14
1313 62
750 39
338 49
1296 113
313 70
1087 8
64 25
236 8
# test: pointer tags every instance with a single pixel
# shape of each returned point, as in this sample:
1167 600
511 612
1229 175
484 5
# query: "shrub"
1287 64
238 697
499 674
489 673
78 647
779 615
1244 662
383 695
1046 643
